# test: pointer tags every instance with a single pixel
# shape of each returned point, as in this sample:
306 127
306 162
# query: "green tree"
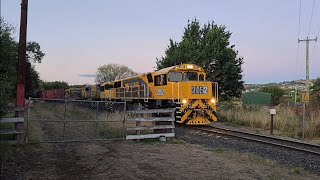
113 72
54 85
276 93
315 93
209 47
9 58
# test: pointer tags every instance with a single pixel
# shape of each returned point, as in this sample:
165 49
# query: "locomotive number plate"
160 92
199 89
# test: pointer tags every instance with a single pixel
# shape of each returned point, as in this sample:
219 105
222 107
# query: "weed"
286 122
297 170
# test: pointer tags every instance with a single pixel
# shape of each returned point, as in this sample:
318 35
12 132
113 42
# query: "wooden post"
21 69
272 113
271 124
303 119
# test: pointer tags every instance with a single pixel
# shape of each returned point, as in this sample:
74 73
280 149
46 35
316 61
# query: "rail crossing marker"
305 97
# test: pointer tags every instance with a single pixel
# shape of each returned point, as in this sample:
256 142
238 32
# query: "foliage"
54 85
315 95
209 47
286 123
9 58
276 93
34 53
32 80
76 86
113 72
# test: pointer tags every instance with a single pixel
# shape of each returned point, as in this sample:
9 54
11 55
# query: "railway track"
265 139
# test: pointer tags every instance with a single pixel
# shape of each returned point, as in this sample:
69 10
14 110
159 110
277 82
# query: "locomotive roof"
183 67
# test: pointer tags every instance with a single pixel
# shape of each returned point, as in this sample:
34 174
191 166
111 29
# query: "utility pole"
21 66
307 80
22 55
307 59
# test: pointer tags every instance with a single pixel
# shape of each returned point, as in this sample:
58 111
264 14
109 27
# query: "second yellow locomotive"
182 86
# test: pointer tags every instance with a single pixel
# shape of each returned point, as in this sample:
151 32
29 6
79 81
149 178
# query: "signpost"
272 112
304 99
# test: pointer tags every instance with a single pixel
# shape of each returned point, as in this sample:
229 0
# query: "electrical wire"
299 19
311 17
297 55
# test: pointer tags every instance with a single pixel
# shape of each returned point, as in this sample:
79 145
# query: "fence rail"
62 120
18 132
74 120
161 124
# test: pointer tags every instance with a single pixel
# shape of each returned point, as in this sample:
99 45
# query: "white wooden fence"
162 121
18 131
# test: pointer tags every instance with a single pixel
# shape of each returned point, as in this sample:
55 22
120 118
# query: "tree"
113 72
209 47
9 58
276 93
315 95
54 85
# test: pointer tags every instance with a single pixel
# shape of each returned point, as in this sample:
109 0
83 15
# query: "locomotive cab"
186 86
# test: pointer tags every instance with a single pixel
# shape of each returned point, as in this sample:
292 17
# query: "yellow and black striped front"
196 112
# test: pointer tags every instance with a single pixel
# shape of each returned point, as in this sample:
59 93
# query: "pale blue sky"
78 36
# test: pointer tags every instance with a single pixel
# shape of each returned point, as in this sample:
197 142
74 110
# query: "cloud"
87 75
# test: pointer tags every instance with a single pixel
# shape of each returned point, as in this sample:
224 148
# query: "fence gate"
152 123
74 120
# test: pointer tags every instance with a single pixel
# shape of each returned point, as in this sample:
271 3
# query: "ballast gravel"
309 162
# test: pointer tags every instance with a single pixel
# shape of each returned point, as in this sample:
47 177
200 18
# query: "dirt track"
130 160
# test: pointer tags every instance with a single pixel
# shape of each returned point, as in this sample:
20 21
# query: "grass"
83 126
287 121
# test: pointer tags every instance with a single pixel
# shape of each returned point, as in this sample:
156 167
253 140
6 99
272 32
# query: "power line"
297 55
299 18
311 16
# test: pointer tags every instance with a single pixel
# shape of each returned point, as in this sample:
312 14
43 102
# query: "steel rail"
268 136
211 130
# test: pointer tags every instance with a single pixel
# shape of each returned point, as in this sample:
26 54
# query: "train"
183 87
61 93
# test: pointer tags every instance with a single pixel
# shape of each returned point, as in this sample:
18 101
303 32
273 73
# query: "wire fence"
62 120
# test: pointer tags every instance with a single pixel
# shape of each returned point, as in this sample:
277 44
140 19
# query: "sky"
79 36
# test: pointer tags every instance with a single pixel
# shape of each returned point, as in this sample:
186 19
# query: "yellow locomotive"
182 86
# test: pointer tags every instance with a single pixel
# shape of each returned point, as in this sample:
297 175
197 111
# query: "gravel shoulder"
287 157
145 160
259 131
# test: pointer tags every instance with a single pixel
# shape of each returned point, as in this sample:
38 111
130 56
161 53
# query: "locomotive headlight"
213 100
189 66
184 101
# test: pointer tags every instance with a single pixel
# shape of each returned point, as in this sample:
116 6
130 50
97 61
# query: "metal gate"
61 120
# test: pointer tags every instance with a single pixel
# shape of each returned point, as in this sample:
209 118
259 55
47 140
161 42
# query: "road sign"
272 111
305 97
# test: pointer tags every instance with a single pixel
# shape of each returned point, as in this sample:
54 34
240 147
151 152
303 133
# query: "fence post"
303 120
96 123
28 120
124 120
272 113
64 119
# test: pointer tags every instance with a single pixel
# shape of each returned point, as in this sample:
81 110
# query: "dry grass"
82 123
287 121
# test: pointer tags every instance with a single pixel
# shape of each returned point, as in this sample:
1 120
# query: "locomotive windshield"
174 76
190 76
